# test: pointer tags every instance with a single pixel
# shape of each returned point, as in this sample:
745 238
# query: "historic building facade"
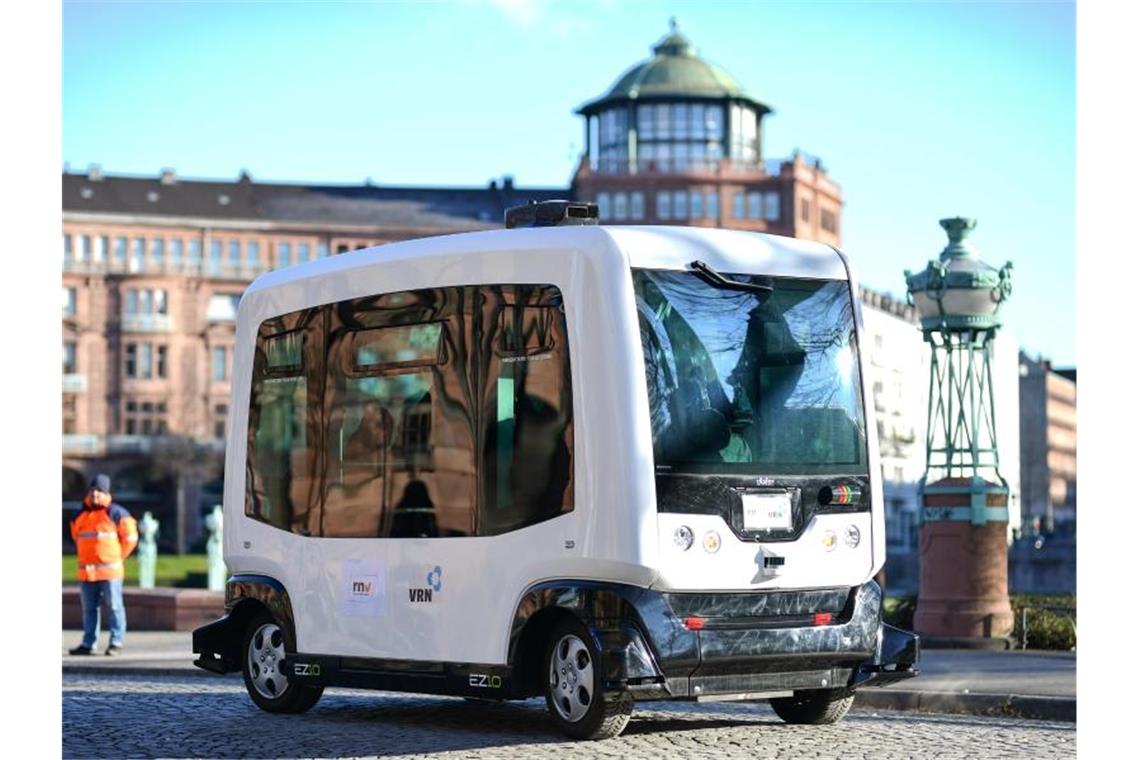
153 268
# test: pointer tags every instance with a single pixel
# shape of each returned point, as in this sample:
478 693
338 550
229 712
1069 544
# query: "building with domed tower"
153 267
677 140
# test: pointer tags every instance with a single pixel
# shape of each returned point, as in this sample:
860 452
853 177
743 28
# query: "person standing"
105 534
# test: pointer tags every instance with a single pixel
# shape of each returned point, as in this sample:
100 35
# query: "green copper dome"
674 71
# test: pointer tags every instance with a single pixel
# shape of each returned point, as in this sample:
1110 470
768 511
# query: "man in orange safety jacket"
105 534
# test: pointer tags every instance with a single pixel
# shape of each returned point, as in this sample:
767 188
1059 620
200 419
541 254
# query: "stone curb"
996 705
999 705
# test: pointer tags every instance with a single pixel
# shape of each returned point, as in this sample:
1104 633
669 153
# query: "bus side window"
399 444
284 415
527 409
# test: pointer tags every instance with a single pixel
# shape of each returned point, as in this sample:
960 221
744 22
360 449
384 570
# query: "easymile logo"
435 584
484 681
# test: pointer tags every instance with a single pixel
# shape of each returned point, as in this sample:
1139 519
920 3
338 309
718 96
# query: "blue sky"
919 110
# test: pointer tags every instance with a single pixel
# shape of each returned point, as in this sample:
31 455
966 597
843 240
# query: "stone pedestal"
963 581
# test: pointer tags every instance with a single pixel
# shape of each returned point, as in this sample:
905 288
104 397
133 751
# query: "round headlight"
711 542
683 537
829 540
851 536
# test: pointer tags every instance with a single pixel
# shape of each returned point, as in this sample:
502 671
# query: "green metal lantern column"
964 583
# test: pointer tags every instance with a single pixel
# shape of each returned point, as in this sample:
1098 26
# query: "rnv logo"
362 588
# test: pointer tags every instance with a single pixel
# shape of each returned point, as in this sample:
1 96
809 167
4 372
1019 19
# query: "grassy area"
1047 628
187 570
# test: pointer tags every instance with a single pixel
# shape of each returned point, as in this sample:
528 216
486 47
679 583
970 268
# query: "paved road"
107 715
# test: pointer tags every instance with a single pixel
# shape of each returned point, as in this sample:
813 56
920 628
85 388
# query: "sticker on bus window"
402 346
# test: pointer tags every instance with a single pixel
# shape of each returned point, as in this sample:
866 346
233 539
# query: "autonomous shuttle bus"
591 464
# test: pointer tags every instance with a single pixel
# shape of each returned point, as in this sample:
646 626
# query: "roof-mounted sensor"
551 214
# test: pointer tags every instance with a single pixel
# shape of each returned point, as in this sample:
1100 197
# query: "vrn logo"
435 583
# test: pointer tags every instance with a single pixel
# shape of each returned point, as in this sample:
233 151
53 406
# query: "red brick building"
153 267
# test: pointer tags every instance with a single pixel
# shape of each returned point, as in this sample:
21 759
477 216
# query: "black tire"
581 686
262 661
816 707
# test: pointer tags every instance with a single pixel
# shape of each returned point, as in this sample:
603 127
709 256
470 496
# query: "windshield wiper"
718 280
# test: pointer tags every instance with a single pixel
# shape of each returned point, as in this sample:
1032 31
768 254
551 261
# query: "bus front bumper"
760 654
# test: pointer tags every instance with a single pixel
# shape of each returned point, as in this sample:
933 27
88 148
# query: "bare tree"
186 462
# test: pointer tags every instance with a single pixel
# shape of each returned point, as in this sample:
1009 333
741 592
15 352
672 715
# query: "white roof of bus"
650 247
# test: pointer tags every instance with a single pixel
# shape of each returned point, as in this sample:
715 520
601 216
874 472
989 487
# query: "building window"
69 367
637 205
284 255
215 257
102 247
143 361
85 248
827 220
322 250
696 206
234 258
144 417
754 205
603 206
663 204
252 254
218 364
69 414
121 251
144 301
176 252
220 412
680 204
67 249
194 253
772 207
138 254
805 209
621 206
738 205
712 204
223 307
69 296
158 252
302 252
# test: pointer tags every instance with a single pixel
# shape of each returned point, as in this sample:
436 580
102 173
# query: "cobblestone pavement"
179 716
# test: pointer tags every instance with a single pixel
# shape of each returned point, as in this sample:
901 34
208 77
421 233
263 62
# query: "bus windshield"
749 382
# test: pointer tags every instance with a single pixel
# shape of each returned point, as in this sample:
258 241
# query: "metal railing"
202 268
146 323
74 383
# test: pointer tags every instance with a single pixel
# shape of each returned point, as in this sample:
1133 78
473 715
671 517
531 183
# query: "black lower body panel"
759 642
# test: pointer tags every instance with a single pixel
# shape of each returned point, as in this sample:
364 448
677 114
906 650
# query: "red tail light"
821 618
694 623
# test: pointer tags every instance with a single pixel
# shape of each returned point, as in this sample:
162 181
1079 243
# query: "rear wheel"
816 707
263 668
574 694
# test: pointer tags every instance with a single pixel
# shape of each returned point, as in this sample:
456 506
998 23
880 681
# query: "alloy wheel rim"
266 657
571 678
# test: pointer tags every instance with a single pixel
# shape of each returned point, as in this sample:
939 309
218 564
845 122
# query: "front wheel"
263 668
573 690
816 707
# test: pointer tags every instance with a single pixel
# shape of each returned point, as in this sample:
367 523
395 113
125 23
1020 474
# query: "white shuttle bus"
592 464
